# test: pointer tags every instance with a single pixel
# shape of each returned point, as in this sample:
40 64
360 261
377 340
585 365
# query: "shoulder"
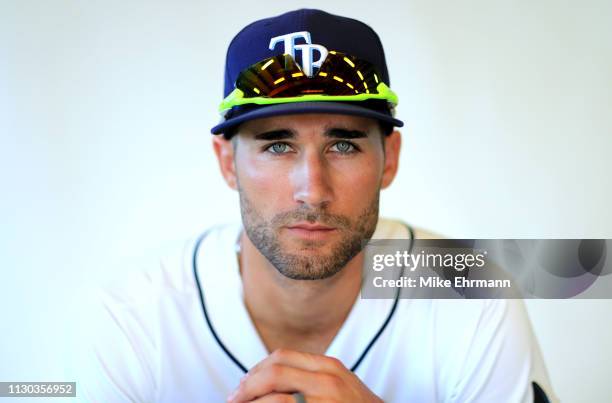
119 321
131 304
482 350
166 270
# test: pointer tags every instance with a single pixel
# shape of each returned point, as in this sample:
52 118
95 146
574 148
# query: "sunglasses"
279 79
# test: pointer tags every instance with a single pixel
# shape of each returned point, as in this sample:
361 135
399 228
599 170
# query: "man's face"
309 189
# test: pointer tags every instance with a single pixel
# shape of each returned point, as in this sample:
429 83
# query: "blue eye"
278 148
345 147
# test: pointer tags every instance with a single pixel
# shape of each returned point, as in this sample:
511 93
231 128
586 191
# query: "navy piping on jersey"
234 359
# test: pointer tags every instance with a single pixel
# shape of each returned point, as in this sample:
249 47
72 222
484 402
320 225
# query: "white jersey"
151 342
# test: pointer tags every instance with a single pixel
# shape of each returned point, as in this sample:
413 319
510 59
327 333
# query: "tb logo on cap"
307 63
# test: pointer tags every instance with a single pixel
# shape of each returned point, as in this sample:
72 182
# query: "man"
269 310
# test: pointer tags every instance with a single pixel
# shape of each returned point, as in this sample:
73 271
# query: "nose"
311 181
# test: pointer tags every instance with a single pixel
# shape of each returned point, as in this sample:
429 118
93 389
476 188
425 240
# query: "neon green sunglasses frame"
236 98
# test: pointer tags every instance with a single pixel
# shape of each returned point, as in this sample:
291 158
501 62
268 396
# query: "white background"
106 107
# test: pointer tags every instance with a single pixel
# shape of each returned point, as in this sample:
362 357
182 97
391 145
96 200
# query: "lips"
311 232
310 227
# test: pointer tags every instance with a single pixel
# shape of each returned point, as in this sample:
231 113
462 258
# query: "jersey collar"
217 269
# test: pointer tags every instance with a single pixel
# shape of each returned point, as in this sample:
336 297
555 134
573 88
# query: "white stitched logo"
307 49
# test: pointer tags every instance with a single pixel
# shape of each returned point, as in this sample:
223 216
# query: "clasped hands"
317 377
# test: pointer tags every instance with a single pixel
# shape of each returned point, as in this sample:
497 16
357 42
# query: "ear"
393 143
224 151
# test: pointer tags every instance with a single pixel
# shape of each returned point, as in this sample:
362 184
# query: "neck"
296 314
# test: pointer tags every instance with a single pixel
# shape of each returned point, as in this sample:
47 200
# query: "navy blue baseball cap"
305 34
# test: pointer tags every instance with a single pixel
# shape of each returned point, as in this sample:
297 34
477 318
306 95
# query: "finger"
284 398
275 398
279 378
305 361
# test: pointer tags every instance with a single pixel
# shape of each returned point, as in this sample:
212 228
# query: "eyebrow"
335 132
282 134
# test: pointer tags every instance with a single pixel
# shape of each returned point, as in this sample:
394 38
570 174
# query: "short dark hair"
385 128
229 133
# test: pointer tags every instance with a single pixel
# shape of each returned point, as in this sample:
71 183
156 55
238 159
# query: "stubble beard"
264 234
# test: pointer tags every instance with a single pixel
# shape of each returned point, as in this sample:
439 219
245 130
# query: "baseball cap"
333 55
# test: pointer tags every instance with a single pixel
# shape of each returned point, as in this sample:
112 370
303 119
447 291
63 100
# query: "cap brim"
304 107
